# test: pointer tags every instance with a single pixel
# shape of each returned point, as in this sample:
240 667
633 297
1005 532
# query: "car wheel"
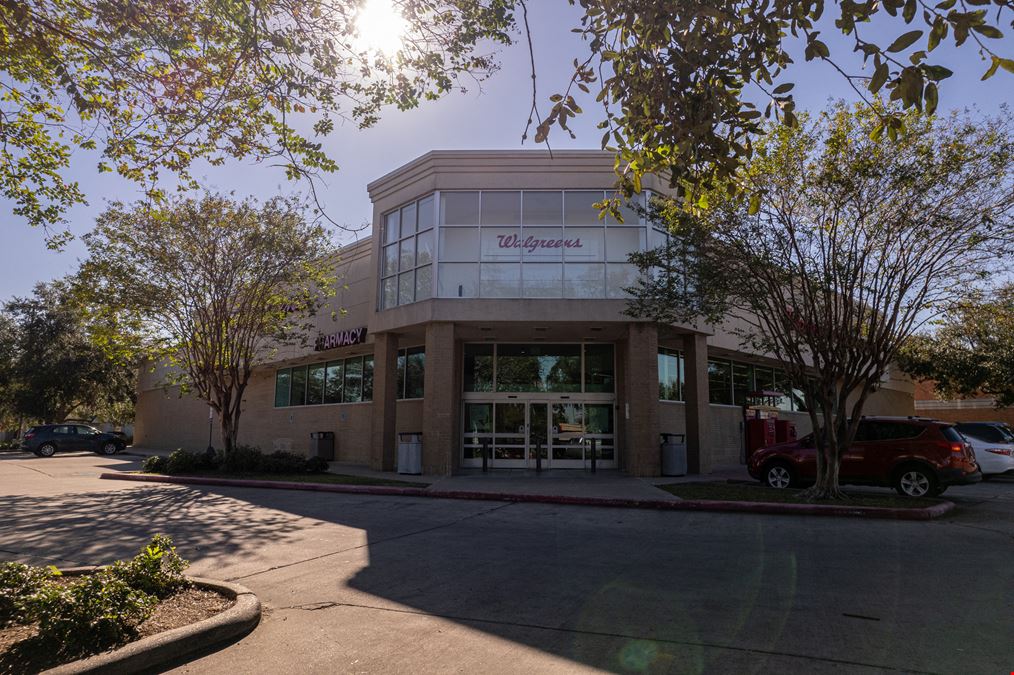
915 481
46 450
109 448
778 476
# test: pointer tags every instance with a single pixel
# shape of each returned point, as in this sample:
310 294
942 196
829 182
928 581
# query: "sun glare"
380 27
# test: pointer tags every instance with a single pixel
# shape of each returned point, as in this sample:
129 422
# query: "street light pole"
211 421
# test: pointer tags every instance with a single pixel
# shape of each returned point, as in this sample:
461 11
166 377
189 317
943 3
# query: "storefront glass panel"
742 382
368 378
353 380
720 382
478 367
533 368
568 429
334 382
501 208
478 429
579 207
599 425
599 374
459 208
543 208
315 385
283 380
297 396
509 442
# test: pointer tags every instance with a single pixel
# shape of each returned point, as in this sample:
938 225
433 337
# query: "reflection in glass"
622 241
538 368
406 288
619 278
392 230
501 243
478 367
568 428
510 431
459 244
538 437
390 260
315 385
424 248
334 382
543 280
584 280
720 382
578 207
459 208
742 382
542 243
368 378
478 428
297 396
283 380
459 280
407 258
424 283
543 208
501 208
587 243
501 280
598 366
425 213
408 220
670 375
415 365
353 380
390 292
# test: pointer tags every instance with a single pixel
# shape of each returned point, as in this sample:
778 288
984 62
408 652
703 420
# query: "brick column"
639 408
695 393
440 403
383 445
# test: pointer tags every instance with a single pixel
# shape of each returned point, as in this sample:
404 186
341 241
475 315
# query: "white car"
993 443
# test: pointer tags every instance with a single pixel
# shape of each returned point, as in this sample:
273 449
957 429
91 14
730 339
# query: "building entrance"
515 433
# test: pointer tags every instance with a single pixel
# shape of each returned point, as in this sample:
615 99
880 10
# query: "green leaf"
909 12
755 201
937 72
783 88
988 31
879 77
905 41
930 96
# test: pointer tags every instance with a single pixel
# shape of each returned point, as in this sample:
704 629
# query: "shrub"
155 464
156 570
283 462
316 465
93 613
241 459
18 583
182 461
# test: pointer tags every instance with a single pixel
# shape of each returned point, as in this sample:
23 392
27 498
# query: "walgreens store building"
486 312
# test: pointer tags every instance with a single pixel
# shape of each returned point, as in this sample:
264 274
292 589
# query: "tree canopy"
52 365
845 247
213 285
971 352
156 87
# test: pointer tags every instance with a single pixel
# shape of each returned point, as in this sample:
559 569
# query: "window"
406 268
563 368
343 381
411 372
670 375
478 367
501 208
720 382
742 382
598 369
887 431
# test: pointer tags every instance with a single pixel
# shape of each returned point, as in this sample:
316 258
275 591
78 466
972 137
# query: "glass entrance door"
516 432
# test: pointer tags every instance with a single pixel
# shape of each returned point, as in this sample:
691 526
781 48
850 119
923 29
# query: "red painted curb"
927 513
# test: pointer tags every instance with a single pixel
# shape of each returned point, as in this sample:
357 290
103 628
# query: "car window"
982 432
876 430
951 434
86 431
1008 434
63 430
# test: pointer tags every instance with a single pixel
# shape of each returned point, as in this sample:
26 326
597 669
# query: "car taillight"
1006 452
30 435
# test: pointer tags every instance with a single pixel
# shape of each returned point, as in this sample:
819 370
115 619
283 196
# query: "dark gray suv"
46 440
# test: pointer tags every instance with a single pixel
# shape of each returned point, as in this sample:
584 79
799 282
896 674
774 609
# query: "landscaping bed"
48 618
244 463
736 492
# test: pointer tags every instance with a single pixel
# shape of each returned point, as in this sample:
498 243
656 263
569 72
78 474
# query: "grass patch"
733 492
324 478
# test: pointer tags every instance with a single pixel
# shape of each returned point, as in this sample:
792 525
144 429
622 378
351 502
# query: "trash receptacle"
674 455
410 453
322 445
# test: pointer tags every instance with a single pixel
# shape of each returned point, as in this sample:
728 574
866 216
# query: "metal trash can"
322 445
674 455
410 453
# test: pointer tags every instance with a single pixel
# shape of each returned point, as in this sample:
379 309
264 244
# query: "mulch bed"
22 652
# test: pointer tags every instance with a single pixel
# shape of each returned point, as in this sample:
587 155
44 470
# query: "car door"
86 437
63 436
852 460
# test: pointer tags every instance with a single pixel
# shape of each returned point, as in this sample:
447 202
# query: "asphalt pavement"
373 584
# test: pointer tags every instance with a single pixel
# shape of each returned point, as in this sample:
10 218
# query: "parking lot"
356 583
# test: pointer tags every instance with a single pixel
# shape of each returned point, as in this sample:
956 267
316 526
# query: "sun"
380 27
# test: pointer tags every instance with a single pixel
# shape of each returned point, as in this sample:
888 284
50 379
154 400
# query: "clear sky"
490 117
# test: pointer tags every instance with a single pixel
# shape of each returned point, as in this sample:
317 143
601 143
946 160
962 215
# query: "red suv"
920 457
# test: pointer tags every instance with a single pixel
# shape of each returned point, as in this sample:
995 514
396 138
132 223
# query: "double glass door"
516 433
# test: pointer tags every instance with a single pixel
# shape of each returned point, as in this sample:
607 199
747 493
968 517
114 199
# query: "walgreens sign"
532 243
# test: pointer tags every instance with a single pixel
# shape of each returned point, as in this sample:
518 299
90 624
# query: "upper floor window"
406 273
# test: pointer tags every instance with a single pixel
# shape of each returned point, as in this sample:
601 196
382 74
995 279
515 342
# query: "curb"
171 645
927 513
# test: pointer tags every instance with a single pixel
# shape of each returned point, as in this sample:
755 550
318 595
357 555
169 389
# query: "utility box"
674 455
410 453
322 445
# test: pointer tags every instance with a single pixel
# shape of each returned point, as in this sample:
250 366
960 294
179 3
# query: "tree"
156 85
848 246
214 285
682 84
50 366
971 353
